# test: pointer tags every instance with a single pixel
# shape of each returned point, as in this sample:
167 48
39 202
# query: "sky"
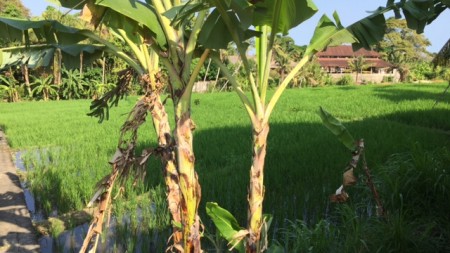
349 11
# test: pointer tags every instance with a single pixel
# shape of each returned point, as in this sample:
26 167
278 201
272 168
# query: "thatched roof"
339 56
347 51
443 57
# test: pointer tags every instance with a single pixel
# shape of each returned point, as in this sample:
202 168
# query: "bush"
387 79
422 71
345 80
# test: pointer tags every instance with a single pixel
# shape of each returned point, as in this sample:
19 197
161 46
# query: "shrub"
422 71
387 79
345 80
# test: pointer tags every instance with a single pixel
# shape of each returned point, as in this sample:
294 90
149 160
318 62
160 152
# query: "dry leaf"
340 196
349 178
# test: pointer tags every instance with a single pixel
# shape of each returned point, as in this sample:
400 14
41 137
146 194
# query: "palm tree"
285 53
358 64
44 86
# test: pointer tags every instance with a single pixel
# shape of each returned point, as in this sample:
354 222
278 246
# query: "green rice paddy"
304 163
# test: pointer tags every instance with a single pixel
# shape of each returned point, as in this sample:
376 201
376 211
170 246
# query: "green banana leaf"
140 12
50 31
338 129
327 33
42 55
287 13
226 224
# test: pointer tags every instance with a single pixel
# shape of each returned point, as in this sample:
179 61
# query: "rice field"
304 163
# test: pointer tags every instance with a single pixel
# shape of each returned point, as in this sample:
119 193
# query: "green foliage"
285 55
329 33
298 237
403 47
43 86
288 14
121 14
422 71
207 73
338 129
13 9
10 88
400 115
227 225
311 75
73 20
345 80
445 74
56 227
73 85
358 64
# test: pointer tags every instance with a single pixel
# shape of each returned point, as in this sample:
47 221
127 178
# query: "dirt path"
16 231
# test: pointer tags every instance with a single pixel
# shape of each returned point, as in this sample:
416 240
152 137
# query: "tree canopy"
13 9
399 39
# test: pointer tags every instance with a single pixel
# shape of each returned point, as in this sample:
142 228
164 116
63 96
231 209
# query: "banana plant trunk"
256 189
57 67
26 76
171 176
189 185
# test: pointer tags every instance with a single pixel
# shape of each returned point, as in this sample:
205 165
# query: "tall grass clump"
414 187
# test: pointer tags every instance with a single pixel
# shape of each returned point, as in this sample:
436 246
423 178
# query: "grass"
303 166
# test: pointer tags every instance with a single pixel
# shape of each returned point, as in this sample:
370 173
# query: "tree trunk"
256 189
189 185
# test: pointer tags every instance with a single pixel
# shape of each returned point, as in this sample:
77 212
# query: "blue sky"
348 10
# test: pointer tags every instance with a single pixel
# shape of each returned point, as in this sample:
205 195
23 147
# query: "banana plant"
271 17
44 43
44 86
151 39
145 28
9 88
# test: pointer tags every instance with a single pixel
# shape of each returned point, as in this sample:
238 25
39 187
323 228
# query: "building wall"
369 78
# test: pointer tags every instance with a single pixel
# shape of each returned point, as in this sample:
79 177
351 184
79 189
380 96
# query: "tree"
285 54
72 20
400 38
358 64
402 46
13 9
